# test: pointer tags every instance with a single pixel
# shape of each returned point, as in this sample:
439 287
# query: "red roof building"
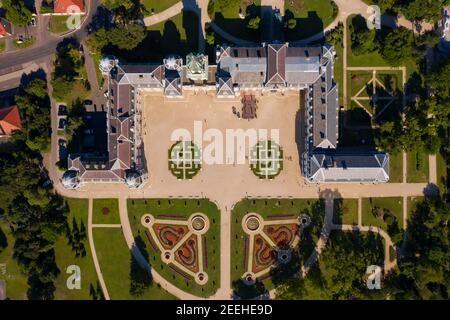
68 6
5 28
9 120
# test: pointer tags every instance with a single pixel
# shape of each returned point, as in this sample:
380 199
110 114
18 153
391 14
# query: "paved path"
432 169
164 15
94 252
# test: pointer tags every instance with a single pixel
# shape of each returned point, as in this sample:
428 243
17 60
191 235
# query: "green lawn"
183 207
396 168
106 211
357 80
58 24
312 17
394 205
339 72
115 262
157 5
265 207
345 211
96 57
16 281
227 17
178 34
2 45
66 257
418 167
441 171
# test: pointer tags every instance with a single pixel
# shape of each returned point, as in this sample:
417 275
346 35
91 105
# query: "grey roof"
224 86
348 167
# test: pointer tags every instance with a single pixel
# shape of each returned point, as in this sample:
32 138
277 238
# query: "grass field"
441 171
24 44
2 45
58 24
227 18
99 211
312 17
339 72
345 211
157 5
66 257
265 207
418 167
16 281
394 205
396 168
183 207
115 262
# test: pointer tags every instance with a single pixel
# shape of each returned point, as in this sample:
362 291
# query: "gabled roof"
66 6
276 64
225 86
5 28
9 120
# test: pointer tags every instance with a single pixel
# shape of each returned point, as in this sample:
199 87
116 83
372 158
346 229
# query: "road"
47 45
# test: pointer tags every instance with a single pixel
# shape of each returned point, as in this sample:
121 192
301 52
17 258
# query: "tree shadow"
243 291
3 240
313 22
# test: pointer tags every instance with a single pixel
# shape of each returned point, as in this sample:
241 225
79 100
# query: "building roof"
66 6
9 120
349 167
5 28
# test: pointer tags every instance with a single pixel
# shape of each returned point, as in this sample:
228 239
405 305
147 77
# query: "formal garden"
345 211
181 240
272 226
266 159
185 160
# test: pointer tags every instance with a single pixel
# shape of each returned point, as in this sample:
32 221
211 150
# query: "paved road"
47 46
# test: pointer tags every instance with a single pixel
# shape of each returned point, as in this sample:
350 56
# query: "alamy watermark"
74 280
73 22
374 279
374 20
229 147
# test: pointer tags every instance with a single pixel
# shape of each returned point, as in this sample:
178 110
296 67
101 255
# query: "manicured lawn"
357 116
2 45
339 72
394 205
312 17
265 207
96 57
227 17
16 281
115 262
106 211
58 24
66 257
157 5
396 168
345 211
357 80
418 167
182 207
441 171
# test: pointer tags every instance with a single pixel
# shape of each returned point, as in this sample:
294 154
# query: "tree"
398 46
17 12
140 278
418 10
290 24
363 39
127 38
336 35
253 23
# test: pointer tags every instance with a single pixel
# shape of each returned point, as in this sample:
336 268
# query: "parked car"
89 131
62 123
62 110
33 22
88 102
